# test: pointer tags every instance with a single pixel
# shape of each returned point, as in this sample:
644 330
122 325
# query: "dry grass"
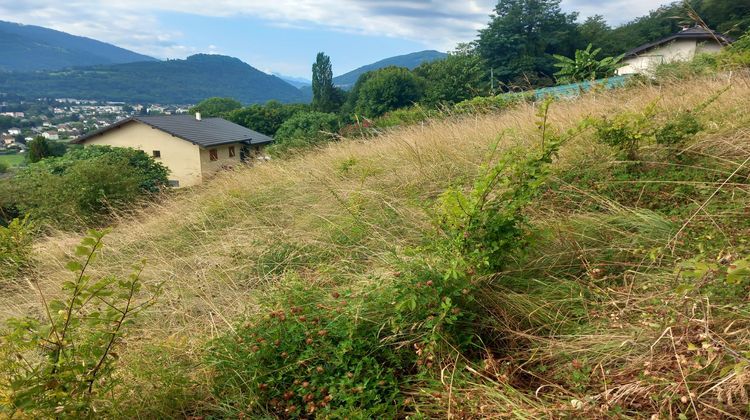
339 215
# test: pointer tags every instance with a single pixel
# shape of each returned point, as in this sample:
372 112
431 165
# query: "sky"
283 36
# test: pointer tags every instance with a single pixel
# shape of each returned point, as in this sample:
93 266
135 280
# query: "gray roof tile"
206 132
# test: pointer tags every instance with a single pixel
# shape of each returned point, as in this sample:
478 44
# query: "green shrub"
679 129
487 104
487 225
62 366
4 167
585 66
15 247
627 131
386 90
84 185
310 354
305 129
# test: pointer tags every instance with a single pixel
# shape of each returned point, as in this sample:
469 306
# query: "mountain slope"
409 61
173 81
28 47
298 82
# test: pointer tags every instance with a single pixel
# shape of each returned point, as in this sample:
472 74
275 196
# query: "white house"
14 131
51 135
682 46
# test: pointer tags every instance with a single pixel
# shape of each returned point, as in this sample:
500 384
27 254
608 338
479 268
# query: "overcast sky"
284 35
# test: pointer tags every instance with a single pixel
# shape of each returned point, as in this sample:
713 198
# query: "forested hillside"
29 48
172 81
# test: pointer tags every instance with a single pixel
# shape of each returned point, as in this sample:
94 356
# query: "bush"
386 90
84 185
4 167
625 132
349 355
268 118
310 354
305 129
59 367
15 247
487 104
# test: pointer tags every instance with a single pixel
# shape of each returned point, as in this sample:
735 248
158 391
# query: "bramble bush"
62 365
310 354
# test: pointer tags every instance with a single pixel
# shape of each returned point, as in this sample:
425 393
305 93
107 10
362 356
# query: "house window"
156 154
174 183
213 154
231 151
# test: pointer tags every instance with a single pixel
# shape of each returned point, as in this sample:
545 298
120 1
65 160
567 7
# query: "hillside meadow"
622 294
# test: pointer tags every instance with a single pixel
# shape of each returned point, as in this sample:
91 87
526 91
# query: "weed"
59 367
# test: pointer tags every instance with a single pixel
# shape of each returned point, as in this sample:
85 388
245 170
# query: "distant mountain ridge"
298 82
31 48
173 81
410 61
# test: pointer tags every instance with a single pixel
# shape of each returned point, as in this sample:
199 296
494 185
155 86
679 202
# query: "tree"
326 97
39 148
522 36
585 66
266 118
216 107
456 78
388 89
305 129
595 30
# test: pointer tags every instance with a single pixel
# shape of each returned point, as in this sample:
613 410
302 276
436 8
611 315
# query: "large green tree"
460 76
522 36
387 89
326 97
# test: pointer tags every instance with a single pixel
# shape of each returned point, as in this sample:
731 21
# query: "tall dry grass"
338 215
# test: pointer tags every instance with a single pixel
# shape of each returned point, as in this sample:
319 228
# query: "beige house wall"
181 157
678 50
209 167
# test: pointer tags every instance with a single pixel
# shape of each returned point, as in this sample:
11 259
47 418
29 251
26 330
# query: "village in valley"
62 120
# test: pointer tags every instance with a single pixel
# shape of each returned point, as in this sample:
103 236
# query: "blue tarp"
576 89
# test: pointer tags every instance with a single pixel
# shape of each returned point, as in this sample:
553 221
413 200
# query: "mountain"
28 48
173 81
298 82
409 61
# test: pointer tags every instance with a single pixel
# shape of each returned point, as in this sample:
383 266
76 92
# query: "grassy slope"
606 329
12 160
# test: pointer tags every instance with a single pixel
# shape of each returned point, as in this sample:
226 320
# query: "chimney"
198 116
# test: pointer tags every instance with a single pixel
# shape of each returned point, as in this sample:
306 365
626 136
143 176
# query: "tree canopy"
216 107
387 89
521 37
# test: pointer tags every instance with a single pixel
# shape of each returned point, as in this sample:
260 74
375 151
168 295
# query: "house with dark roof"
682 46
191 147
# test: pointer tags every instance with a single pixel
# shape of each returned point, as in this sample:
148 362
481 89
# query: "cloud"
134 24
